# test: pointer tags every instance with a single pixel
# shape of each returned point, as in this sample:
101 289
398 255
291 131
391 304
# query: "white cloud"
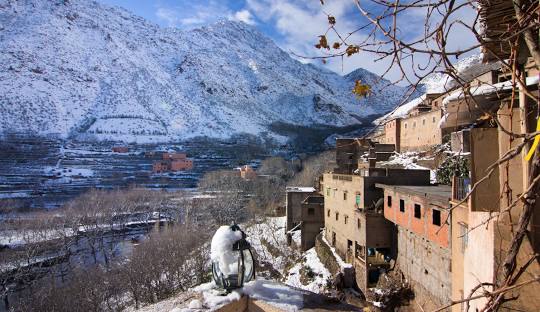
301 22
193 14
244 16
167 15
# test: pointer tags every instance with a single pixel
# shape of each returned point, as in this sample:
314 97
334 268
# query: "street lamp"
232 260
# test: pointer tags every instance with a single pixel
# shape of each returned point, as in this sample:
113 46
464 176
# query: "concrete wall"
484 153
427 266
392 131
479 258
420 132
422 226
460 226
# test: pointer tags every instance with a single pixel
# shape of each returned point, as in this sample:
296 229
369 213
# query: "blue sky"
293 24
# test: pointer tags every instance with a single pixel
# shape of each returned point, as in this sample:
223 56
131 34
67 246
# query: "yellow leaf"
361 90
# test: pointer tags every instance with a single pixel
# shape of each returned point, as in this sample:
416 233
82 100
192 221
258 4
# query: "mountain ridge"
86 70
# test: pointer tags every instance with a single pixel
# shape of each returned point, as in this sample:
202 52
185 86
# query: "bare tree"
506 32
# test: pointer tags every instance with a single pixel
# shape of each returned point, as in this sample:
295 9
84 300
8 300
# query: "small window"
357 200
405 125
417 211
337 216
311 211
328 213
423 121
327 191
464 235
414 124
401 205
433 119
389 201
358 223
345 195
346 219
436 217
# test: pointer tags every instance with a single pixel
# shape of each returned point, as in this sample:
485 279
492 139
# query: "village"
442 240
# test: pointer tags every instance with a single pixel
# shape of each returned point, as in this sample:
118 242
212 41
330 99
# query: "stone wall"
330 262
427 267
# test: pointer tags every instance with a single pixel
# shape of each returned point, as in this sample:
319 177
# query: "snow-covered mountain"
78 68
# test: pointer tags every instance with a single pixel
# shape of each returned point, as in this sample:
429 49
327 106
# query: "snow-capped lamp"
232 260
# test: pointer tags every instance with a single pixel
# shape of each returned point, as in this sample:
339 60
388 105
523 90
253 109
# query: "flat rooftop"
443 192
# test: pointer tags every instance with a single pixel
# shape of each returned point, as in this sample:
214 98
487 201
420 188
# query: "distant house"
247 173
120 149
172 162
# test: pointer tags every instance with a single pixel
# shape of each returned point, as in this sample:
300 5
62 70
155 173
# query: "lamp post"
232 260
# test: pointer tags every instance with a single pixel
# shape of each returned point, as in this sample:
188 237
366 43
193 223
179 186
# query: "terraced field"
47 172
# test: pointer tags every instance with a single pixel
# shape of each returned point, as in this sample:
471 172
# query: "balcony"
461 187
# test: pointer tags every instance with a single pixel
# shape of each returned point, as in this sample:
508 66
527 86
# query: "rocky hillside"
82 69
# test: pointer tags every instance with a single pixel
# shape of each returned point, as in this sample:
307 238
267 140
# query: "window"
345 195
328 213
401 205
436 217
423 121
337 216
414 124
464 235
389 201
327 191
357 200
346 219
433 119
311 211
349 246
417 211
358 224
405 125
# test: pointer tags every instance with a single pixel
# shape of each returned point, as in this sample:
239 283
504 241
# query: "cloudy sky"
293 24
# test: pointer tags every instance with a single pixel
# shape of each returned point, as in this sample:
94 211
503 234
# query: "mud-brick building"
419 128
354 222
485 219
172 162
421 215
304 209
312 220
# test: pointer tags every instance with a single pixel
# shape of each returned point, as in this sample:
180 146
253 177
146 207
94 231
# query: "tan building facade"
354 220
420 132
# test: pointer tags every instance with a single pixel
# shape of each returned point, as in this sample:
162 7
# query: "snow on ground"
271 292
408 161
69 172
310 264
207 297
275 294
267 238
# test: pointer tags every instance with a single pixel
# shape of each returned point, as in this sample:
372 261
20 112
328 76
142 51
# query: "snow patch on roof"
300 189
